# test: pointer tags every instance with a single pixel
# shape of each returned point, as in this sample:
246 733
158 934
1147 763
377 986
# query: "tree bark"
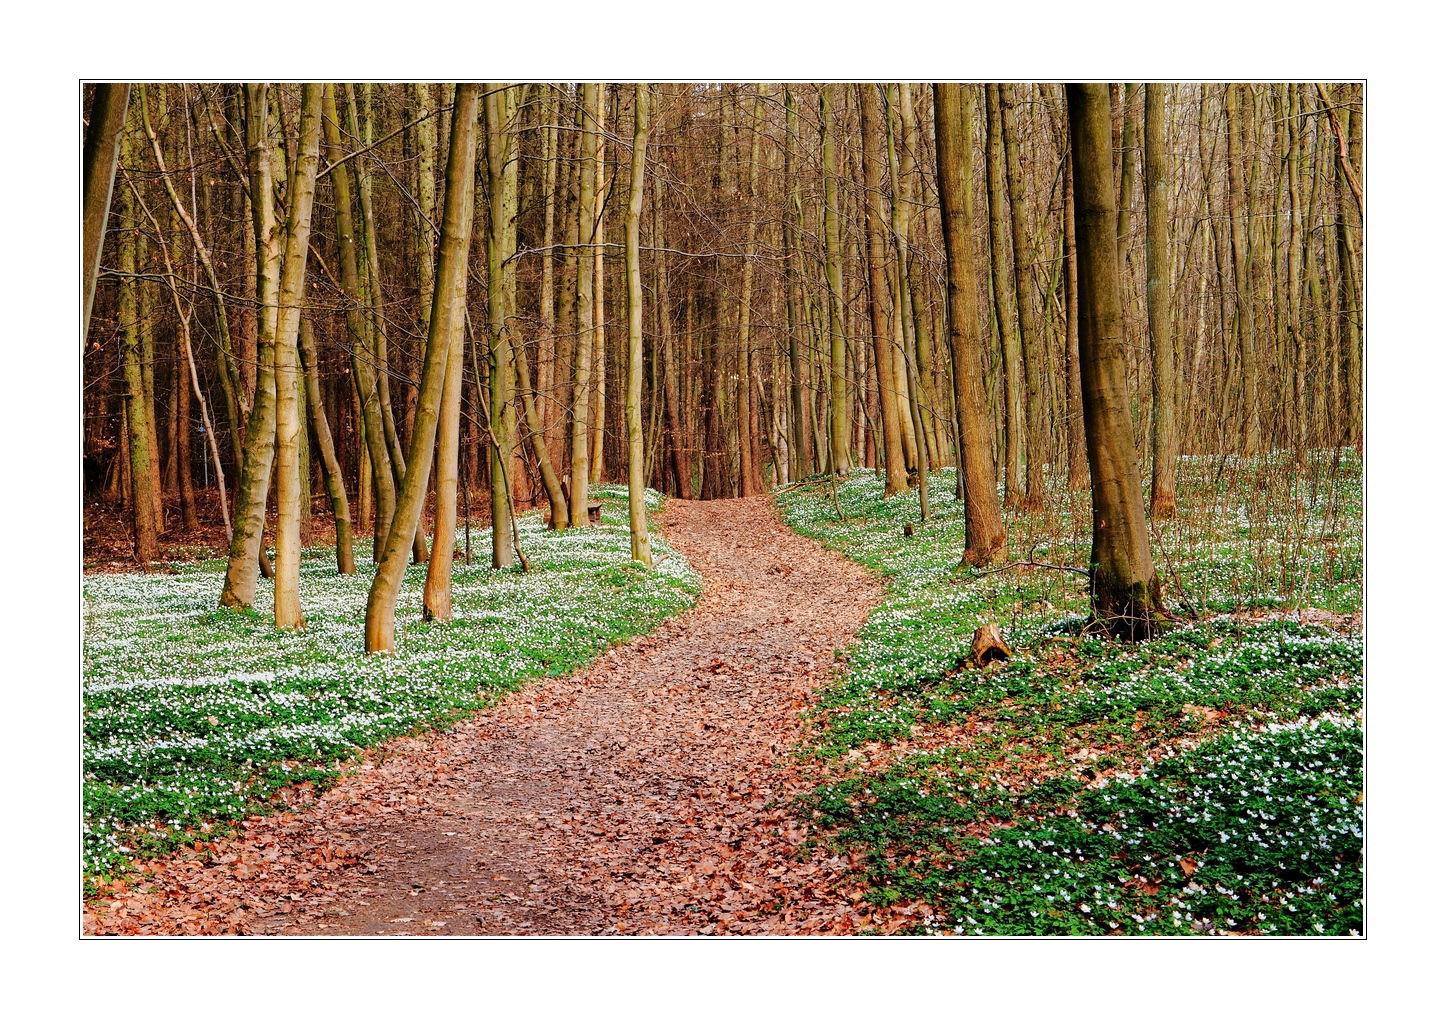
330 467
895 476
144 526
301 189
1124 589
498 107
582 351
1239 243
1036 446
1004 317
633 403
99 156
1165 439
260 446
448 311
833 271
953 131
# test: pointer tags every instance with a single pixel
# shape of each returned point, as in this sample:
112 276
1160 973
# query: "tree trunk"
599 287
1239 233
497 111
363 355
954 131
137 429
895 477
1004 317
637 514
833 270
1166 441
448 312
1124 590
259 452
1035 365
1079 472
586 339
301 188
98 160
330 467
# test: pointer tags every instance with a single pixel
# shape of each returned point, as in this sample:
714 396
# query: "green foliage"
1060 792
194 716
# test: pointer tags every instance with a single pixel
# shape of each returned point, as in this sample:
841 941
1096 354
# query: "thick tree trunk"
953 132
637 514
1124 590
1166 441
301 188
446 322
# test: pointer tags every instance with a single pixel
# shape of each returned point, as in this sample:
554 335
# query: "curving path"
633 797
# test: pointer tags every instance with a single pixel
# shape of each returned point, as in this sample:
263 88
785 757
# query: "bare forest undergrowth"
647 794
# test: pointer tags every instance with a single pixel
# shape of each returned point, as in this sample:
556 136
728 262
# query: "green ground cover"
1206 781
195 717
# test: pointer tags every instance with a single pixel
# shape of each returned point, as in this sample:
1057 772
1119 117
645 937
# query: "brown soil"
647 794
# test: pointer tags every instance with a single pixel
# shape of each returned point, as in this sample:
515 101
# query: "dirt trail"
631 797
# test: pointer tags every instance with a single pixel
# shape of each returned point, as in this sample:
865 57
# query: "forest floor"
652 792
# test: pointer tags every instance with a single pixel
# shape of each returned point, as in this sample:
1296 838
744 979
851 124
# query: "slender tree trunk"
330 467
186 483
1035 367
377 466
637 514
98 162
448 312
1157 302
1079 472
1004 318
137 429
586 334
1239 233
895 477
792 241
599 238
260 446
833 270
301 188
1124 590
498 107
1129 147
953 132
749 471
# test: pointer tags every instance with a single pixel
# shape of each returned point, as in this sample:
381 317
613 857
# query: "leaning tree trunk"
1124 589
301 189
98 161
633 402
448 309
1157 302
953 130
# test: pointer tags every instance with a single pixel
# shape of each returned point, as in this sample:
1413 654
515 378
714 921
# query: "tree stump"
988 646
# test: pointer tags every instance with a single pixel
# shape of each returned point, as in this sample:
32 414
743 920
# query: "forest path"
631 797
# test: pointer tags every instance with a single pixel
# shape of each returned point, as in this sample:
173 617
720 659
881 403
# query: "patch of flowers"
197 716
